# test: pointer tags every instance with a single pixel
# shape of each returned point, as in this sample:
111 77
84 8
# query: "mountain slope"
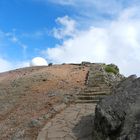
28 95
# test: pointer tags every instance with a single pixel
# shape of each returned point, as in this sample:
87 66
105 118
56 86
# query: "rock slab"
74 123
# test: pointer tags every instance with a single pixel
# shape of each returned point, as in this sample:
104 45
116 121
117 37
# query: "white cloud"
6 38
21 64
15 39
118 43
7 65
67 29
38 34
91 7
83 46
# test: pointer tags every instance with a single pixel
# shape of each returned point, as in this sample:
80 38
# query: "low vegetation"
111 68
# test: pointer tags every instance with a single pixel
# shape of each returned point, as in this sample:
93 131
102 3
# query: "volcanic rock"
117 117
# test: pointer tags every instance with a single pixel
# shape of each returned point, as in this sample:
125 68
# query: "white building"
38 61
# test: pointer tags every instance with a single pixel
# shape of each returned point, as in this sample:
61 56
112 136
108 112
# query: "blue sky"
65 31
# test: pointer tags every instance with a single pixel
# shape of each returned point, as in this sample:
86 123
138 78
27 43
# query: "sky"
70 31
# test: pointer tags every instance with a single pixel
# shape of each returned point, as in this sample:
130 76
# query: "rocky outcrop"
98 75
117 117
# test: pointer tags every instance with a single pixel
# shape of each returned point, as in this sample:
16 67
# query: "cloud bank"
118 42
9 65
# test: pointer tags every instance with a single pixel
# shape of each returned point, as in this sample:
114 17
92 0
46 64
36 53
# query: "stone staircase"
91 96
96 86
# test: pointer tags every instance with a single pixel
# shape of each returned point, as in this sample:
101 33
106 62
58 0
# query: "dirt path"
74 123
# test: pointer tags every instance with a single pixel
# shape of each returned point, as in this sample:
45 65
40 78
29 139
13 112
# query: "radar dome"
38 61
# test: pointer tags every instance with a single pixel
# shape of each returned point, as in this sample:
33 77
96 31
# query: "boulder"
117 117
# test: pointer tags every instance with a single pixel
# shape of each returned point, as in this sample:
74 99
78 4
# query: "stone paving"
74 123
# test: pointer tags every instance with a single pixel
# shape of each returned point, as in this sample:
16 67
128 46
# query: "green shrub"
111 68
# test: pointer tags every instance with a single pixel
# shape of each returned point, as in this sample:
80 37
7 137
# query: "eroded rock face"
97 76
117 117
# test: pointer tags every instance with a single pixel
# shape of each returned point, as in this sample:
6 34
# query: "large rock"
117 117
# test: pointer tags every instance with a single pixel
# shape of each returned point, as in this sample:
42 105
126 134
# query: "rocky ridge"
117 117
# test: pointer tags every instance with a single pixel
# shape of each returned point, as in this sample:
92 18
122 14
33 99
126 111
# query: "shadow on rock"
84 128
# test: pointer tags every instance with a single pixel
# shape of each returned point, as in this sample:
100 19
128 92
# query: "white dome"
38 61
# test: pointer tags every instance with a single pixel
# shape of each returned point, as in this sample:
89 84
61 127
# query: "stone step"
92 89
90 97
96 77
86 101
97 85
93 94
97 90
96 73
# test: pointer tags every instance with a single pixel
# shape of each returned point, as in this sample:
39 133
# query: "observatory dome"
38 61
